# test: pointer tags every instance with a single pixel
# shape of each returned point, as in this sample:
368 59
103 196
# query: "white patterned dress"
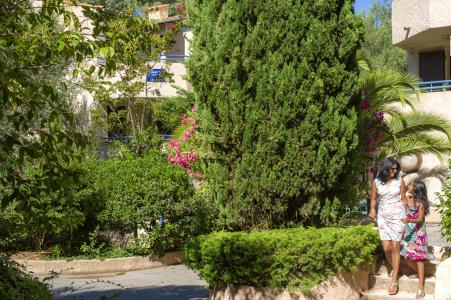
390 210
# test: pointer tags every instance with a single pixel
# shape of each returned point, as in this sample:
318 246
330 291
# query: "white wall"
437 103
409 13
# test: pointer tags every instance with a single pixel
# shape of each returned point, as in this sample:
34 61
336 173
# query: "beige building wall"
438 103
413 17
413 14
422 26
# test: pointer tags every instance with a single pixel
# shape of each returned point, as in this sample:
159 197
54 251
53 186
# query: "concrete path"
165 283
435 237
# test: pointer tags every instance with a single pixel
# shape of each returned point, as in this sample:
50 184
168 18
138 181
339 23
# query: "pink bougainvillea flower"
371 139
180 7
174 144
365 104
379 116
184 119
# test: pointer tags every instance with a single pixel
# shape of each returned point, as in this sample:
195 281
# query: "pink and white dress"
390 210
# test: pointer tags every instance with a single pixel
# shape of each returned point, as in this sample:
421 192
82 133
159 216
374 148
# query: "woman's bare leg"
387 246
396 259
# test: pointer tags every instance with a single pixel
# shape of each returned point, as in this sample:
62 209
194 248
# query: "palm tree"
391 126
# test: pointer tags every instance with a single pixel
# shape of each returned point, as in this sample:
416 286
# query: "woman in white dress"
388 191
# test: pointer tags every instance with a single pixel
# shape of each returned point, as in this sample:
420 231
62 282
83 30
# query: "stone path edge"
95 266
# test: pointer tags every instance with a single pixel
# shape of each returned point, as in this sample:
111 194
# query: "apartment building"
423 29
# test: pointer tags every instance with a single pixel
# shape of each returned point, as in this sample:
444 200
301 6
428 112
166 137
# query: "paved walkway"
435 238
166 283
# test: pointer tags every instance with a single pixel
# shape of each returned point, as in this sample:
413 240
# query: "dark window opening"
432 66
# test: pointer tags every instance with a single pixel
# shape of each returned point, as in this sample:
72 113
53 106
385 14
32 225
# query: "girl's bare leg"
412 265
420 267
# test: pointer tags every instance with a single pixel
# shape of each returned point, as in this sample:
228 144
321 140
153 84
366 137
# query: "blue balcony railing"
155 75
435 86
173 57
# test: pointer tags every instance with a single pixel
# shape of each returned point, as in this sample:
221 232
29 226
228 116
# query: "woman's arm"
372 213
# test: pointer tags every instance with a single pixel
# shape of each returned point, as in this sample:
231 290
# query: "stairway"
380 282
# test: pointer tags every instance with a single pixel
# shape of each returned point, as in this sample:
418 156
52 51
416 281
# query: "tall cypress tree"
278 81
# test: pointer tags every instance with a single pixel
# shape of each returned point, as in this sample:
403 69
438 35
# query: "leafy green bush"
149 193
13 228
167 112
296 259
445 210
40 216
15 284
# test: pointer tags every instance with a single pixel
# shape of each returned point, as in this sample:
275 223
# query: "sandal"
393 290
420 294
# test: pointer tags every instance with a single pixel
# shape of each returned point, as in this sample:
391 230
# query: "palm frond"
386 87
415 122
362 61
415 145
392 110
441 173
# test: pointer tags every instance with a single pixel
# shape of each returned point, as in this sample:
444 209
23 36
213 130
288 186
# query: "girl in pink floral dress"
414 245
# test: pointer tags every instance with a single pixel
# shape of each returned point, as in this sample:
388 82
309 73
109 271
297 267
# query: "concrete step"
429 268
406 284
376 294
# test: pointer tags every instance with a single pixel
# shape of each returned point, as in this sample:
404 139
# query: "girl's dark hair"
384 169
421 193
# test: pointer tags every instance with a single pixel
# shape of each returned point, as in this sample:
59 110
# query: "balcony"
435 86
173 57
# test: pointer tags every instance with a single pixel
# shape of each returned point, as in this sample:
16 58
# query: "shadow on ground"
170 292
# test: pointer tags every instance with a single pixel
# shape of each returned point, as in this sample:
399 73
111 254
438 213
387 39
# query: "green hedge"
445 209
296 259
15 284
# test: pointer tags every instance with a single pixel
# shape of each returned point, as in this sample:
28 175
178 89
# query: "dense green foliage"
445 210
167 112
138 192
279 97
377 46
296 259
17 285
39 218
123 194
45 196
36 121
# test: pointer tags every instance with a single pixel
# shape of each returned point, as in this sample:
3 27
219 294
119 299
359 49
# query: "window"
432 66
